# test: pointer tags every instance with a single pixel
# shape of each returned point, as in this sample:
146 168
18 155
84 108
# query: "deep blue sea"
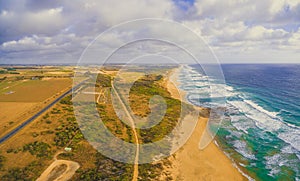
261 129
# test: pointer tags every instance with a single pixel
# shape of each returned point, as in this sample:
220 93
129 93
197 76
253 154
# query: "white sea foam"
274 171
270 122
274 163
197 78
293 126
216 143
263 121
288 149
241 147
266 121
240 123
229 88
235 165
237 134
261 109
194 82
243 165
292 137
274 160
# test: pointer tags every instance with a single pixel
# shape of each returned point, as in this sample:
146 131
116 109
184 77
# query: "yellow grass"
10 112
27 98
34 90
22 159
130 76
58 73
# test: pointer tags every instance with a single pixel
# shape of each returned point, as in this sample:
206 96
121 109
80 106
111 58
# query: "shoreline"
191 163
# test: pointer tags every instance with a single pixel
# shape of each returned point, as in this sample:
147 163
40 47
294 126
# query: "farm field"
10 112
21 97
34 90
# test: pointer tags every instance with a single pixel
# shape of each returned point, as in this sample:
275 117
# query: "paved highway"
17 129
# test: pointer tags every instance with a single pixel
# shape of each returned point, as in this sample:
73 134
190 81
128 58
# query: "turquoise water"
261 129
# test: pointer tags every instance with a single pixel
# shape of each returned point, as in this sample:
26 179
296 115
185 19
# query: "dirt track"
136 160
66 175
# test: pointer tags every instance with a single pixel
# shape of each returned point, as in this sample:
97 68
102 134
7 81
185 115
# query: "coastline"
190 163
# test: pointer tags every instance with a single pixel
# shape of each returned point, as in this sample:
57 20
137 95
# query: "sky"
236 31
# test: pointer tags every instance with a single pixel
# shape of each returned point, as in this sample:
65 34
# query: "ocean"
261 127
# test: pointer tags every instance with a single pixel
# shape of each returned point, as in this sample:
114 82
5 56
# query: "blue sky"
57 31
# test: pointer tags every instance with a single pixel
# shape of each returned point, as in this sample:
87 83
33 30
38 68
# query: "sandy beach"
190 163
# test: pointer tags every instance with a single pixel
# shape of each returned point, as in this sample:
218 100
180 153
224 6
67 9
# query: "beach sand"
190 163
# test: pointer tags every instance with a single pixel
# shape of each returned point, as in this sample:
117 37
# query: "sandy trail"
66 175
136 159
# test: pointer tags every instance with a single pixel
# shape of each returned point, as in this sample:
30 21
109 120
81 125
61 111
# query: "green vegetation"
2 160
40 149
3 78
108 114
113 123
140 94
46 116
55 111
66 100
66 132
10 150
65 136
107 169
103 80
10 69
28 173
14 73
151 171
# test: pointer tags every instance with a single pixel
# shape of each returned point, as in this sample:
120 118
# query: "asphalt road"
25 123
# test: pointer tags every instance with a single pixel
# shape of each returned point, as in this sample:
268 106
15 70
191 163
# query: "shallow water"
261 130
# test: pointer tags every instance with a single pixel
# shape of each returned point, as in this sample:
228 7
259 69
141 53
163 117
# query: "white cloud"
229 27
252 11
128 10
26 43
